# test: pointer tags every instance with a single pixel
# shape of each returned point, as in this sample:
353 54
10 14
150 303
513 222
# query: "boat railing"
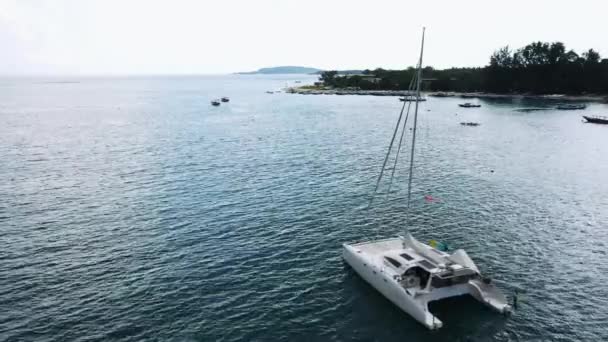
365 242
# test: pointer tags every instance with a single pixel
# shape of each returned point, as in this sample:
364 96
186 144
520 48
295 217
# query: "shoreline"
482 95
319 91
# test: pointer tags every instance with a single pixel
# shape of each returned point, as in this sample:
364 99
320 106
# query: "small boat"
571 106
225 99
215 103
411 99
440 94
269 92
469 105
531 109
596 119
470 123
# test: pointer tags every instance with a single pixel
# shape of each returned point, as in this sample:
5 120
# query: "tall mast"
418 81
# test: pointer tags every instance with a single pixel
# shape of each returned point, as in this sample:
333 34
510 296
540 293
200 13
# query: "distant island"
283 70
296 70
537 69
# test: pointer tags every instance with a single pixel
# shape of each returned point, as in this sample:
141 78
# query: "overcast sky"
222 36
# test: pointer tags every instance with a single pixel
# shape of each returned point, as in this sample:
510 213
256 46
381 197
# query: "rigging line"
409 89
390 183
404 126
422 151
418 81
390 147
425 149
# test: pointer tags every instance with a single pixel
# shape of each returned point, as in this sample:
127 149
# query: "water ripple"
132 211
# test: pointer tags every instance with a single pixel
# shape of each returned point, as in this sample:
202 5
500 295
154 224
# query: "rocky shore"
327 91
307 90
557 97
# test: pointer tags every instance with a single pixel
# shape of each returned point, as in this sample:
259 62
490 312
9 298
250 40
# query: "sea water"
131 209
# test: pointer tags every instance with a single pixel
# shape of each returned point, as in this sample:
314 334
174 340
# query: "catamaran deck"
394 249
378 247
411 274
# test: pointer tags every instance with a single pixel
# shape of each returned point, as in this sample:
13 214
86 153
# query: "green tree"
538 67
328 77
591 57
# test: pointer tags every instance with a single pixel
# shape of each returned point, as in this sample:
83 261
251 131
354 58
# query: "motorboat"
409 273
571 106
596 119
469 105
215 103
225 99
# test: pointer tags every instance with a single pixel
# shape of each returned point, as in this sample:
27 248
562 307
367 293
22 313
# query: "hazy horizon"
113 38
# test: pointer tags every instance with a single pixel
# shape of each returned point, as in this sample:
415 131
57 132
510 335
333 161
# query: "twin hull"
391 289
416 303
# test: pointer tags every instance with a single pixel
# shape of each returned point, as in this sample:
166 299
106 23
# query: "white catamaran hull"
366 259
389 287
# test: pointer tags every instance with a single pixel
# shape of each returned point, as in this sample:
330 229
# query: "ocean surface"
132 210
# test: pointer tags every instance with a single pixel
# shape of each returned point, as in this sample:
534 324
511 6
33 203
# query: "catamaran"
411 273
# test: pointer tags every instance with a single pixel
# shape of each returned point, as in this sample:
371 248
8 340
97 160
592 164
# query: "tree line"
539 68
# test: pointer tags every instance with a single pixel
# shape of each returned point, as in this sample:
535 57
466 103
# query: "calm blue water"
130 209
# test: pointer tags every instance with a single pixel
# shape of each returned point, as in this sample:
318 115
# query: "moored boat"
571 106
411 274
215 103
411 99
529 109
441 94
469 105
596 119
225 99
